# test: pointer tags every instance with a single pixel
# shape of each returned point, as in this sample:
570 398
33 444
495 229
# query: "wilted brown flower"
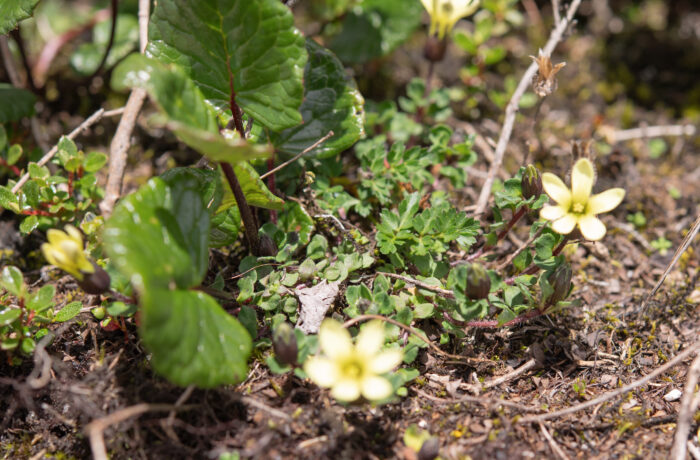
545 82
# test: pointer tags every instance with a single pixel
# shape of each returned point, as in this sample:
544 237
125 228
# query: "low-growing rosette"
351 371
576 206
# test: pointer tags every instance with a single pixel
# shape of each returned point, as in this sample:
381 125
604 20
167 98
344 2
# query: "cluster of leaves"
25 315
48 200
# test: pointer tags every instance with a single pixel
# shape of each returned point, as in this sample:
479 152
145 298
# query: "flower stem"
517 215
532 269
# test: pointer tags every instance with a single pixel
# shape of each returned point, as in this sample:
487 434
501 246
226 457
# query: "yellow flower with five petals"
444 14
351 371
65 251
577 206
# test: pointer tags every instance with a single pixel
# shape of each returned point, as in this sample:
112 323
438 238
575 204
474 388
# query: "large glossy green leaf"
89 55
16 103
158 236
331 103
192 339
247 47
375 28
254 189
183 108
13 11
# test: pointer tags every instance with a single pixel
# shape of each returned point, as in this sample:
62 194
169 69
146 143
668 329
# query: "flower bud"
434 50
284 343
430 449
560 280
96 282
267 246
545 82
478 282
531 182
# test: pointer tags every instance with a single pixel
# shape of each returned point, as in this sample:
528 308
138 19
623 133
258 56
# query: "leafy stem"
517 215
532 269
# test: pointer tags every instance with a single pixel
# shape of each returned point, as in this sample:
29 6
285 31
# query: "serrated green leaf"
8 200
226 226
158 236
250 48
184 109
16 102
331 103
192 339
68 312
94 161
29 224
375 28
12 281
13 11
38 172
255 191
544 245
14 153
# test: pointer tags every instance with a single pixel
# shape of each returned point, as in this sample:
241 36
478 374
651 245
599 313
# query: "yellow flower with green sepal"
444 14
65 251
351 371
577 206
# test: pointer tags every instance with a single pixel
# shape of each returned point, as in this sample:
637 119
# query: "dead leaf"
315 302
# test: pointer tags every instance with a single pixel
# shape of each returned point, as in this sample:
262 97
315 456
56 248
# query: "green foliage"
375 28
24 315
50 200
89 55
13 11
251 48
17 103
331 103
159 238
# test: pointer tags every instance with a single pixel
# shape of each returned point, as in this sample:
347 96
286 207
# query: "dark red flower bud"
478 282
284 343
531 182
96 282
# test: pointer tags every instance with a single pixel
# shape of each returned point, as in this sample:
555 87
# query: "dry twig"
617 392
512 108
122 138
515 373
552 443
652 131
298 155
685 415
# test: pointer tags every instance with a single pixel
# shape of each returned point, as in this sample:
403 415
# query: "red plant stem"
37 212
532 269
493 323
250 225
70 183
15 170
517 215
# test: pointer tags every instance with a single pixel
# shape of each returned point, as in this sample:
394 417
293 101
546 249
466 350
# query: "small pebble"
673 395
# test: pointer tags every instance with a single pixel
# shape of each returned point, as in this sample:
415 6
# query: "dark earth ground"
88 373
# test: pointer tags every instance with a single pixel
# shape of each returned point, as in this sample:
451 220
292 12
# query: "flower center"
352 369
578 208
447 8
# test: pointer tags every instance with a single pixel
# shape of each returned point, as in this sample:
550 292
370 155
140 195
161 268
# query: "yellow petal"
582 177
606 201
56 236
429 5
334 339
321 371
552 212
556 189
75 235
565 224
386 361
346 390
371 338
591 228
375 388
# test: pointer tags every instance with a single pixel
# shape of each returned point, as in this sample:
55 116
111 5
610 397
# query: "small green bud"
99 313
531 183
478 282
284 342
560 280
96 282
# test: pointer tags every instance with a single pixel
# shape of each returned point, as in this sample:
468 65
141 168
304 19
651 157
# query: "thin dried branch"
512 107
685 415
552 443
91 120
644 132
298 155
676 256
529 364
617 392
122 138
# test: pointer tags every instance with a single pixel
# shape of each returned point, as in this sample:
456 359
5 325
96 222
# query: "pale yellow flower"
577 206
65 251
444 14
351 371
